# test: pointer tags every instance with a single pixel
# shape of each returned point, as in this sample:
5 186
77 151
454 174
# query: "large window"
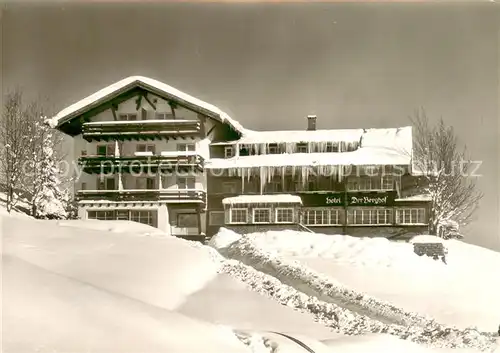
322 217
369 216
238 215
187 220
216 218
101 215
411 216
302 148
145 217
284 215
261 215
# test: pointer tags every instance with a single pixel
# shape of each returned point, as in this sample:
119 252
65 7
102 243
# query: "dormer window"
228 151
127 117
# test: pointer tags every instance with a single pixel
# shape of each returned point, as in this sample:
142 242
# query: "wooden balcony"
144 164
141 130
144 195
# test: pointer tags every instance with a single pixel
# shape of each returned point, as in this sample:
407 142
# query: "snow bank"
427 239
158 271
223 239
348 310
112 226
340 248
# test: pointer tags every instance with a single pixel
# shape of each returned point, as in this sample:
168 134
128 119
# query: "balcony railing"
143 195
140 164
140 129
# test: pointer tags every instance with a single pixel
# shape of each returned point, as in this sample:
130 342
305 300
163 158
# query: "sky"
269 66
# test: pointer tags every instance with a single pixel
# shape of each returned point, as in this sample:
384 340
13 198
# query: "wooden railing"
111 164
143 195
137 129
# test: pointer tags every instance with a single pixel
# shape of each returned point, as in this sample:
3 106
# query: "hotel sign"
351 199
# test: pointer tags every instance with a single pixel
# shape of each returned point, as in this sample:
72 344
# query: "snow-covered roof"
261 199
423 197
362 156
297 136
128 83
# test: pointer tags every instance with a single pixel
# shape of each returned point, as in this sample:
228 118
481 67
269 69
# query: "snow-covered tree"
13 135
449 176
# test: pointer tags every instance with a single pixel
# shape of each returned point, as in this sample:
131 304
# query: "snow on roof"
297 136
249 199
422 197
118 87
362 156
125 122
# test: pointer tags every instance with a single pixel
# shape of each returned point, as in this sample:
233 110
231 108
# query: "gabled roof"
150 85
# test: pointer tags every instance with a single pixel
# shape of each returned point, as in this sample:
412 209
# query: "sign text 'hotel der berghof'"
352 198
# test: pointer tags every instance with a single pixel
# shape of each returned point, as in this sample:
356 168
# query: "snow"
149 83
261 199
361 156
297 136
112 226
461 293
178 153
423 197
146 153
74 286
427 239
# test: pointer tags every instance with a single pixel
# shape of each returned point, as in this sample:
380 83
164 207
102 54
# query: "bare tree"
13 134
448 175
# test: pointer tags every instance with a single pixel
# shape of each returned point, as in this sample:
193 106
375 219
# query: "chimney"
311 122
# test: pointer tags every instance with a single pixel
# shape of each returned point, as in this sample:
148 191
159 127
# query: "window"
238 215
106 183
147 183
84 186
332 147
187 220
284 215
229 187
261 215
216 218
387 182
145 217
321 217
101 215
273 149
302 148
122 215
128 116
106 150
186 183
371 216
145 148
411 216
164 116
186 147
274 185
228 152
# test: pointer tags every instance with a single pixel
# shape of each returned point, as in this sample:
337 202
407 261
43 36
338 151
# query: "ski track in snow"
339 308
